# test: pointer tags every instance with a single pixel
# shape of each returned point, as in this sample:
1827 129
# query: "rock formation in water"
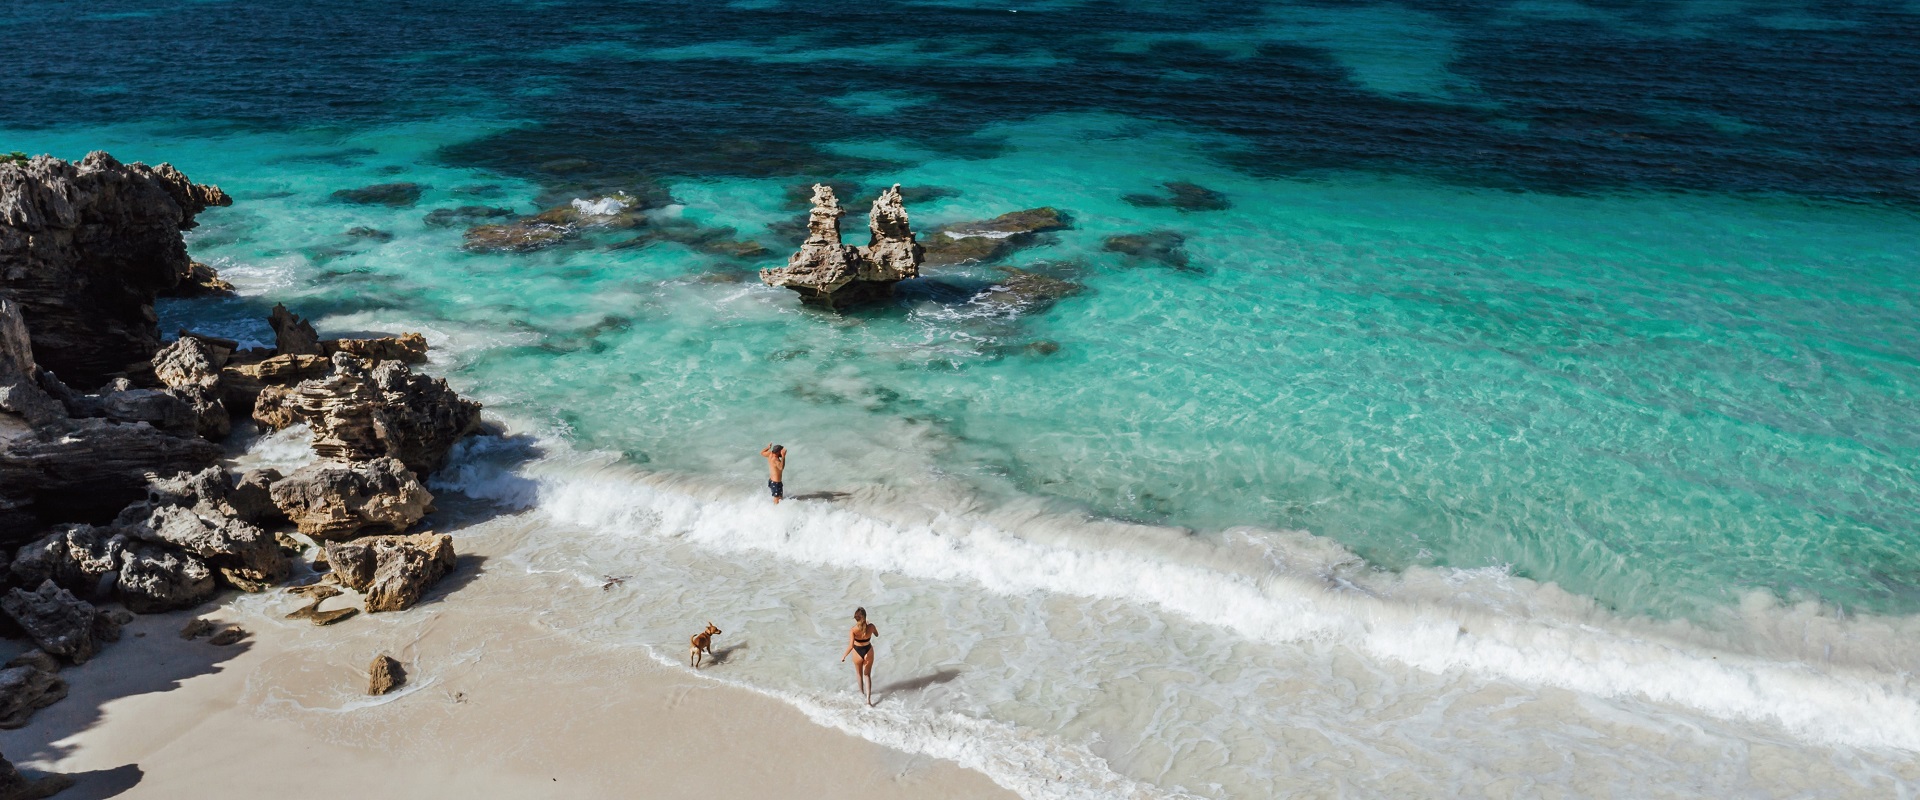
828 273
989 240
84 250
1167 248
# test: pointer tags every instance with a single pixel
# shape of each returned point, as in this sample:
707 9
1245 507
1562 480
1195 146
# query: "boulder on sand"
24 689
75 557
339 500
248 558
384 675
57 621
156 578
393 572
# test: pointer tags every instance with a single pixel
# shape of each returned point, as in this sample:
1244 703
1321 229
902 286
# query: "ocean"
1523 404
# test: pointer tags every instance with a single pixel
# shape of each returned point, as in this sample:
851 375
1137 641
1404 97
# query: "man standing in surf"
776 457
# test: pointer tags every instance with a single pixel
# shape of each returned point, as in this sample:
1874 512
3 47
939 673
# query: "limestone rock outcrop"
357 414
339 500
191 371
393 572
246 557
155 578
84 250
75 558
407 348
292 336
247 374
828 273
77 457
58 622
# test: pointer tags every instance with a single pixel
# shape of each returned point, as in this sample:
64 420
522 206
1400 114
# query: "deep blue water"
1813 99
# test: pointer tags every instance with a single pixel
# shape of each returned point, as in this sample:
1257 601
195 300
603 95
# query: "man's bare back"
776 457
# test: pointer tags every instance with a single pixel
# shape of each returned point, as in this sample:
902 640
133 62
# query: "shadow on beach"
151 657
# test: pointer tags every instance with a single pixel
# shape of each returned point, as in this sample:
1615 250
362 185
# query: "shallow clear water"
1540 346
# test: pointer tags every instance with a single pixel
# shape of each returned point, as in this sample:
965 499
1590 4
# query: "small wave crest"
1822 676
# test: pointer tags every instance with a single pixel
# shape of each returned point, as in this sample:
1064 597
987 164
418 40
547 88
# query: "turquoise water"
1540 347
1661 401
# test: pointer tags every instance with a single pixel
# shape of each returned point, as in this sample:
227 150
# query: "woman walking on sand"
860 644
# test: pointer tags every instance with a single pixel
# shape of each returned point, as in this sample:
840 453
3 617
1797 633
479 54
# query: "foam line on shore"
1307 588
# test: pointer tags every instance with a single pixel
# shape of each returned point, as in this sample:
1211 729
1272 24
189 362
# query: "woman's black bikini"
863 646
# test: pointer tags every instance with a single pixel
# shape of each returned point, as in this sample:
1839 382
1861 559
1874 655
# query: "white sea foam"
979 234
1281 587
603 207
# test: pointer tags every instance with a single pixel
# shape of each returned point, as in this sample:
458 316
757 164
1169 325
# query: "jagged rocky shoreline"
113 500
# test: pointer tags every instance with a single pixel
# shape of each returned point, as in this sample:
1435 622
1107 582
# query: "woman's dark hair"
860 614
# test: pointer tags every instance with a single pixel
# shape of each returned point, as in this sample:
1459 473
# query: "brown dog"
702 643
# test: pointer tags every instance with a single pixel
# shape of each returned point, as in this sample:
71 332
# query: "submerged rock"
1021 291
393 572
517 237
989 240
335 500
826 272
1164 247
1183 196
397 195
464 215
84 250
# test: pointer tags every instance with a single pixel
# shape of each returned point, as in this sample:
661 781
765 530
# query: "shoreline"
578 719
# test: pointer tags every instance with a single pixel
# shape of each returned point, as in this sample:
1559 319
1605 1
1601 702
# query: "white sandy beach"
496 706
